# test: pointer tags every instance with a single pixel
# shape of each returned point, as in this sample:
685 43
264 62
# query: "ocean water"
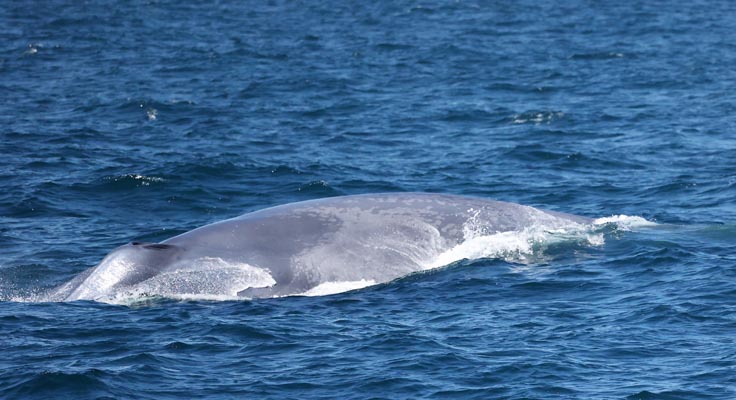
140 120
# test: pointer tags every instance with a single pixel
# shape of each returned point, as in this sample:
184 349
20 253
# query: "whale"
297 248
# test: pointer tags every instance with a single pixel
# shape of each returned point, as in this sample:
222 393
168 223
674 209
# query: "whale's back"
294 248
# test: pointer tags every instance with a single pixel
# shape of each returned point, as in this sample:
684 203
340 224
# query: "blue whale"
311 247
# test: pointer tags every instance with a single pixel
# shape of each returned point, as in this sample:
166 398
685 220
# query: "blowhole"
158 246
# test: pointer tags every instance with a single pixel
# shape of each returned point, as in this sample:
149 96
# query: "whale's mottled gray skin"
377 237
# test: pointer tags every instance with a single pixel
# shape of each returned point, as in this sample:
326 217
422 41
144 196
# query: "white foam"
32 48
624 222
207 278
133 297
537 118
528 245
522 246
328 288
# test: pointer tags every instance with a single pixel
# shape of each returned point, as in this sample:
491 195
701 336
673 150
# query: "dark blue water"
139 120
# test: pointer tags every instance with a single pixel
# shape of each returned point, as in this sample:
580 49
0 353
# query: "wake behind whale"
324 246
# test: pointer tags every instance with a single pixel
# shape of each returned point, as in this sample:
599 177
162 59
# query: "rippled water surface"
140 120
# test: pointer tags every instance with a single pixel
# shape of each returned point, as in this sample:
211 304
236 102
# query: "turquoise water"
125 121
